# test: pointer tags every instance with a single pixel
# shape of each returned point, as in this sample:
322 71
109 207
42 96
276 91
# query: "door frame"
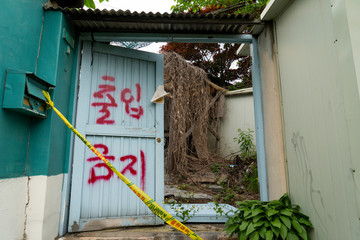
186 38
154 133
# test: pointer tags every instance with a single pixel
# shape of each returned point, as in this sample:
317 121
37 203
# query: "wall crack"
26 207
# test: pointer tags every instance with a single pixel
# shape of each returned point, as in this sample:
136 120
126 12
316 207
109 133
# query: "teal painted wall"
19 38
34 146
63 97
49 138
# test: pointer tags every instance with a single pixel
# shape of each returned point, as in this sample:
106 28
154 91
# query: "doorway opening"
215 167
202 163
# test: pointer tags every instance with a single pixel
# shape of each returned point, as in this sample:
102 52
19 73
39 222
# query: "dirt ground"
222 180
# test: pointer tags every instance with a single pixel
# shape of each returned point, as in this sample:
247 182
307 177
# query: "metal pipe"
259 121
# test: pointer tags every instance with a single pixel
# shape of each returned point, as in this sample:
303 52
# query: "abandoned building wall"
353 20
316 44
34 151
274 148
238 113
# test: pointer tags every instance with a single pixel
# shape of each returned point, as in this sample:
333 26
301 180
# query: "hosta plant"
277 219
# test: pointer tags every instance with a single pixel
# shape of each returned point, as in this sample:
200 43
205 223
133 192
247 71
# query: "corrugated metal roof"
177 23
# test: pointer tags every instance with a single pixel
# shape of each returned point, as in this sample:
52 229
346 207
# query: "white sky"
137 5
154 6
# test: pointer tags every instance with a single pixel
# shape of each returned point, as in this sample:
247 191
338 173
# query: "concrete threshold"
209 231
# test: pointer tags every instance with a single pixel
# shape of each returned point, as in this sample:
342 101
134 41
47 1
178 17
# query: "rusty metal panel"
117 117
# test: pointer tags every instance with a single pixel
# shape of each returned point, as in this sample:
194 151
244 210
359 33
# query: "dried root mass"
191 109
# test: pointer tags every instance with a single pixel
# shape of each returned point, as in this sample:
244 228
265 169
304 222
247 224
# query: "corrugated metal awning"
174 23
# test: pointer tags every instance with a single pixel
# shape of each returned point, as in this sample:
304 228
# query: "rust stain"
101 224
75 227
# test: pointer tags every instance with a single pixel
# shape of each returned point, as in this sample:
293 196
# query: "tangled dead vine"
191 108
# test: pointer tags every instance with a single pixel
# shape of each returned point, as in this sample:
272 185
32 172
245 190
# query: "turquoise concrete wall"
63 97
19 37
34 146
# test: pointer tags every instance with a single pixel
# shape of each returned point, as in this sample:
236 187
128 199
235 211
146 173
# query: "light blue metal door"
115 114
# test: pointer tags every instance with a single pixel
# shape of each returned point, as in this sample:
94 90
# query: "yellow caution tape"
150 203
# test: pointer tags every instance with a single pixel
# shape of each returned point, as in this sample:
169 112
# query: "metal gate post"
259 121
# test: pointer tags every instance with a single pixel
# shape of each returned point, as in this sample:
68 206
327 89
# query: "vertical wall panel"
117 117
239 113
320 106
274 144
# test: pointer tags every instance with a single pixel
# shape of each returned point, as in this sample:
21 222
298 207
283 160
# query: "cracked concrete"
26 207
174 192
164 232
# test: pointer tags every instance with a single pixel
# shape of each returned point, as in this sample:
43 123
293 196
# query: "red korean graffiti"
106 90
131 160
93 177
127 98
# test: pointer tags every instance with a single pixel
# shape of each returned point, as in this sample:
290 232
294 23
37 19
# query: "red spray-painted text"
125 96
129 168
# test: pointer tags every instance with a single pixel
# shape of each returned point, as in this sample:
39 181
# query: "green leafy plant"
183 187
215 168
183 212
239 85
188 197
253 7
238 6
245 140
218 210
228 195
91 4
277 219
251 179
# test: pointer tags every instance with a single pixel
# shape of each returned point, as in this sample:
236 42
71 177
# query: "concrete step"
173 192
164 232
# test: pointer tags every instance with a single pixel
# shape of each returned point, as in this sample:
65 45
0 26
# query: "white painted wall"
13 199
317 49
30 207
52 206
353 21
239 113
